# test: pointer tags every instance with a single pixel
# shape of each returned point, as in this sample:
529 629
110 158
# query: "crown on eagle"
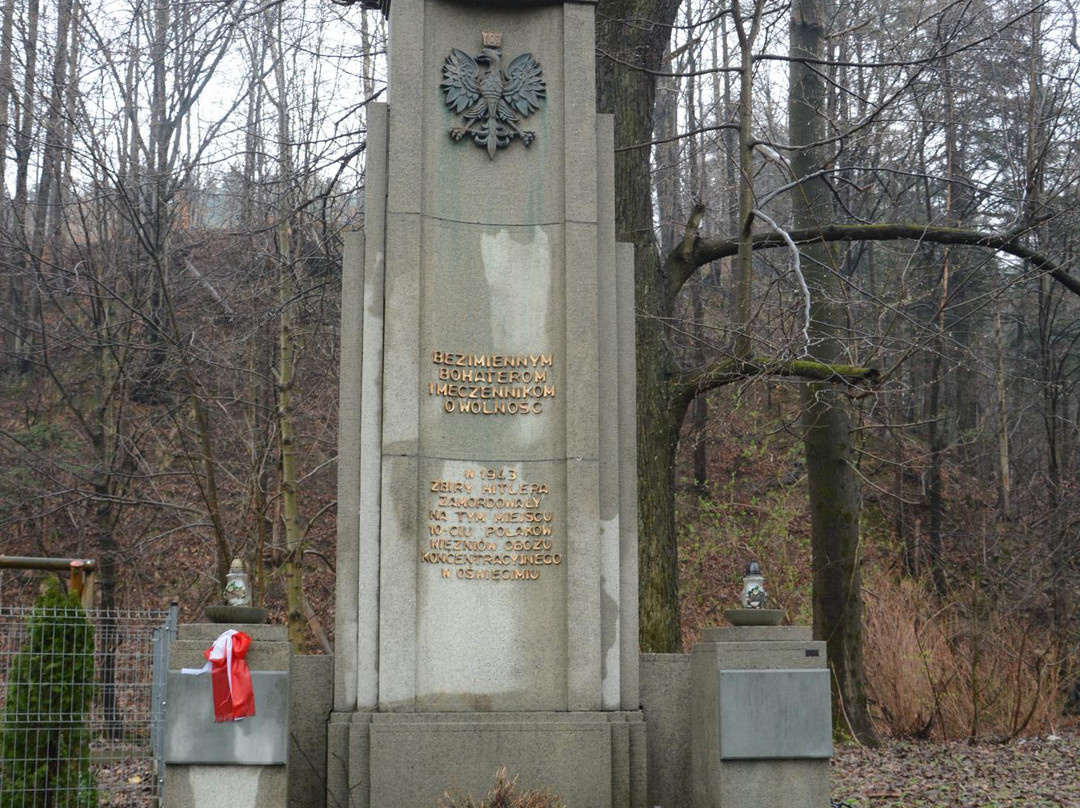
492 39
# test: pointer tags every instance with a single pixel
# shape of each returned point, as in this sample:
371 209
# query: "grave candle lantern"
753 591
237 591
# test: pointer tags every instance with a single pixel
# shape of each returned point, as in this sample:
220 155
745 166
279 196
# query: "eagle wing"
524 88
460 81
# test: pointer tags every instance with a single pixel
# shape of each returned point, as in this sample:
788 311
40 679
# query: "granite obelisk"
487 548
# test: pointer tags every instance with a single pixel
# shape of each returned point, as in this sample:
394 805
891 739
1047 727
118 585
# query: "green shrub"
44 742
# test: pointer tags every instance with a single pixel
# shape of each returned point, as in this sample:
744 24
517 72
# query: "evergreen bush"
44 741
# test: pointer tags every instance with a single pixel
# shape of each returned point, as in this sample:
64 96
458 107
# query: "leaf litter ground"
1030 772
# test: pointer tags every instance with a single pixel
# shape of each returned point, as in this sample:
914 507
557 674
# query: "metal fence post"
163 635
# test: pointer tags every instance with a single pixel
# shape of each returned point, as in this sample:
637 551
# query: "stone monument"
487 548
761 727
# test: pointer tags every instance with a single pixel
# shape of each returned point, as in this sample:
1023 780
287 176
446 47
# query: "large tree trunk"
632 92
9 278
833 489
7 91
834 502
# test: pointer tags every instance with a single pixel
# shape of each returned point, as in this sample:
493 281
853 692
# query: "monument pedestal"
237 764
412 758
762 721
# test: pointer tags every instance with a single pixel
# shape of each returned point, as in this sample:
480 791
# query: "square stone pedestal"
762 725
589 759
235 764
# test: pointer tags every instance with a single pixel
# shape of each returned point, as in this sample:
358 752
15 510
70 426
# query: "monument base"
235 764
405 760
761 731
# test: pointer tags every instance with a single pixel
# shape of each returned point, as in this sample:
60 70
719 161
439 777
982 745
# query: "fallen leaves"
1029 772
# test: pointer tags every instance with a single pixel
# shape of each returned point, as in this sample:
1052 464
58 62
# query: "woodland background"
176 177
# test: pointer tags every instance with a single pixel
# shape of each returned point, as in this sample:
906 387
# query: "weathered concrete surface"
772 782
668 706
225 786
416 757
311 699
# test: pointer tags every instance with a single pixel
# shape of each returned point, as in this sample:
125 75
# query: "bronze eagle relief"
493 100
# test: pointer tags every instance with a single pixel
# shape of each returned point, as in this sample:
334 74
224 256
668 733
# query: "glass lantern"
753 588
237 592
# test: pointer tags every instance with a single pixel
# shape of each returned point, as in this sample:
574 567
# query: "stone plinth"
761 727
277 757
414 757
236 764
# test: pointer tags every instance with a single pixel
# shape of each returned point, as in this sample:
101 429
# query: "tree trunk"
666 157
7 91
833 489
17 291
294 549
1004 477
151 380
744 265
699 418
11 280
935 487
47 203
632 92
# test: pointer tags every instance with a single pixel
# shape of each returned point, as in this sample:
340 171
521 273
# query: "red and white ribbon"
230 677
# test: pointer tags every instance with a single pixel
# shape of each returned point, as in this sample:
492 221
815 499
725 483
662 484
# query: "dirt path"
1033 773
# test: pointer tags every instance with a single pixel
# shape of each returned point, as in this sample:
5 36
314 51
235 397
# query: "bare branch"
729 370
797 268
682 135
708 250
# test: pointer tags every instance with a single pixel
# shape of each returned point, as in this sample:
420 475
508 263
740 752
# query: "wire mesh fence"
82 707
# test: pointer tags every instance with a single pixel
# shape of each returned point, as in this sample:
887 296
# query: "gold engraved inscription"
492 384
490 526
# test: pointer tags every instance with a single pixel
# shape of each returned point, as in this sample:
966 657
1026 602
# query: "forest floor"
1039 772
